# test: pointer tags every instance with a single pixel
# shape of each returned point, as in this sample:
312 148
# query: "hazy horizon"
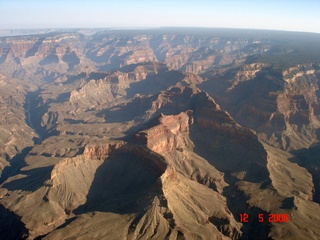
284 15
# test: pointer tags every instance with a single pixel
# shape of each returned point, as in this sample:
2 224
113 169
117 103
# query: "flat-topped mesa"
100 152
101 88
164 136
22 44
136 72
293 74
247 72
116 149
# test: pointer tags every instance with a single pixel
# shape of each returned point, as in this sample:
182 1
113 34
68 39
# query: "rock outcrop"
281 106
159 134
162 138
15 132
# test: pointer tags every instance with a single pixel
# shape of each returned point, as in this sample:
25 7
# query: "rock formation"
159 134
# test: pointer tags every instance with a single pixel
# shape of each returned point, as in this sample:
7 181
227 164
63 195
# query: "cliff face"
281 106
124 134
101 88
168 151
102 151
41 57
105 172
149 158
301 87
299 104
163 137
52 56
16 134
246 73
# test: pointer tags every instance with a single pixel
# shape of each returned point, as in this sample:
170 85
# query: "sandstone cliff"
281 106
166 151
125 135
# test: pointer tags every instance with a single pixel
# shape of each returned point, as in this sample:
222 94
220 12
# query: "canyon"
169 133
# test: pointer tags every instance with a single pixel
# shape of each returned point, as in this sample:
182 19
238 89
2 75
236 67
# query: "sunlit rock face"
159 134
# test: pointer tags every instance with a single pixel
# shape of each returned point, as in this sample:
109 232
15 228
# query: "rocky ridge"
284 110
16 134
159 149
138 119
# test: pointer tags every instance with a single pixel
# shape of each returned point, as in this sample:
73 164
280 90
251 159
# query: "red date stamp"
271 217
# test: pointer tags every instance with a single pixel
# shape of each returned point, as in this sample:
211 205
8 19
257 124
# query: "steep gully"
30 122
17 162
11 226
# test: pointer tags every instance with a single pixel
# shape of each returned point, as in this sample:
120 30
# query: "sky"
289 15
